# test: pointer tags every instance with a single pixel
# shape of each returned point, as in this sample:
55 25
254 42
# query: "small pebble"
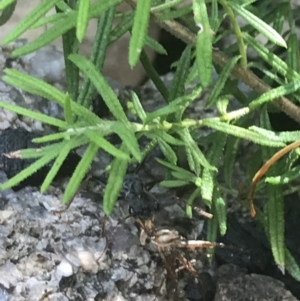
88 262
65 269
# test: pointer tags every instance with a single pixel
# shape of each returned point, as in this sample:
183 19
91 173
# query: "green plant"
199 24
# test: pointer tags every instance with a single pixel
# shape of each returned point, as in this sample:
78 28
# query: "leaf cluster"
202 25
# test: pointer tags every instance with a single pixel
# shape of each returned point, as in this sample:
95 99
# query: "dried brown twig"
263 170
171 247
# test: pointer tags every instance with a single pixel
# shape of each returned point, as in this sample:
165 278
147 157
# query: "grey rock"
234 284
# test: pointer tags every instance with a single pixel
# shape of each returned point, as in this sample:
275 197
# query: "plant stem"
238 33
153 75
70 46
219 58
100 45
247 76
107 127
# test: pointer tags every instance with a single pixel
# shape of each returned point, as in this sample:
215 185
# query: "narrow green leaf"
98 54
165 6
106 145
293 56
289 136
278 16
207 185
68 110
195 166
222 104
273 60
34 115
129 139
46 38
203 43
220 207
195 150
214 19
285 178
291 265
101 85
195 93
61 27
64 7
7 13
174 106
275 93
82 19
33 85
38 12
184 176
139 31
259 24
167 151
180 170
39 87
241 133
123 26
182 70
52 19
153 75
64 151
213 156
70 45
167 137
231 150
283 137
190 201
25 173
179 12
275 218
268 134
216 150
52 137
155 45
220 83
80 172
212 232
193 74
138 106
115 182
173 183
5 3
269 73
40 151
274 209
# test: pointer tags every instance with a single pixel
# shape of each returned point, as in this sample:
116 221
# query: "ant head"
143 207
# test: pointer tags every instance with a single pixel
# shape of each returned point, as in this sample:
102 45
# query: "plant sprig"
179 137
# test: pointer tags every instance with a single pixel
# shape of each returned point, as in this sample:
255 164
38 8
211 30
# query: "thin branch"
238 33
219 58
247 76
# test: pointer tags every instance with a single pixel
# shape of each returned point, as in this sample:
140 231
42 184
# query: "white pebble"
64 269
88 262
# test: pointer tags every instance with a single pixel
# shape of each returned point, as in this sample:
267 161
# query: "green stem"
100 44
153 75
107 127
238 33
165 6
7 13
70 46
